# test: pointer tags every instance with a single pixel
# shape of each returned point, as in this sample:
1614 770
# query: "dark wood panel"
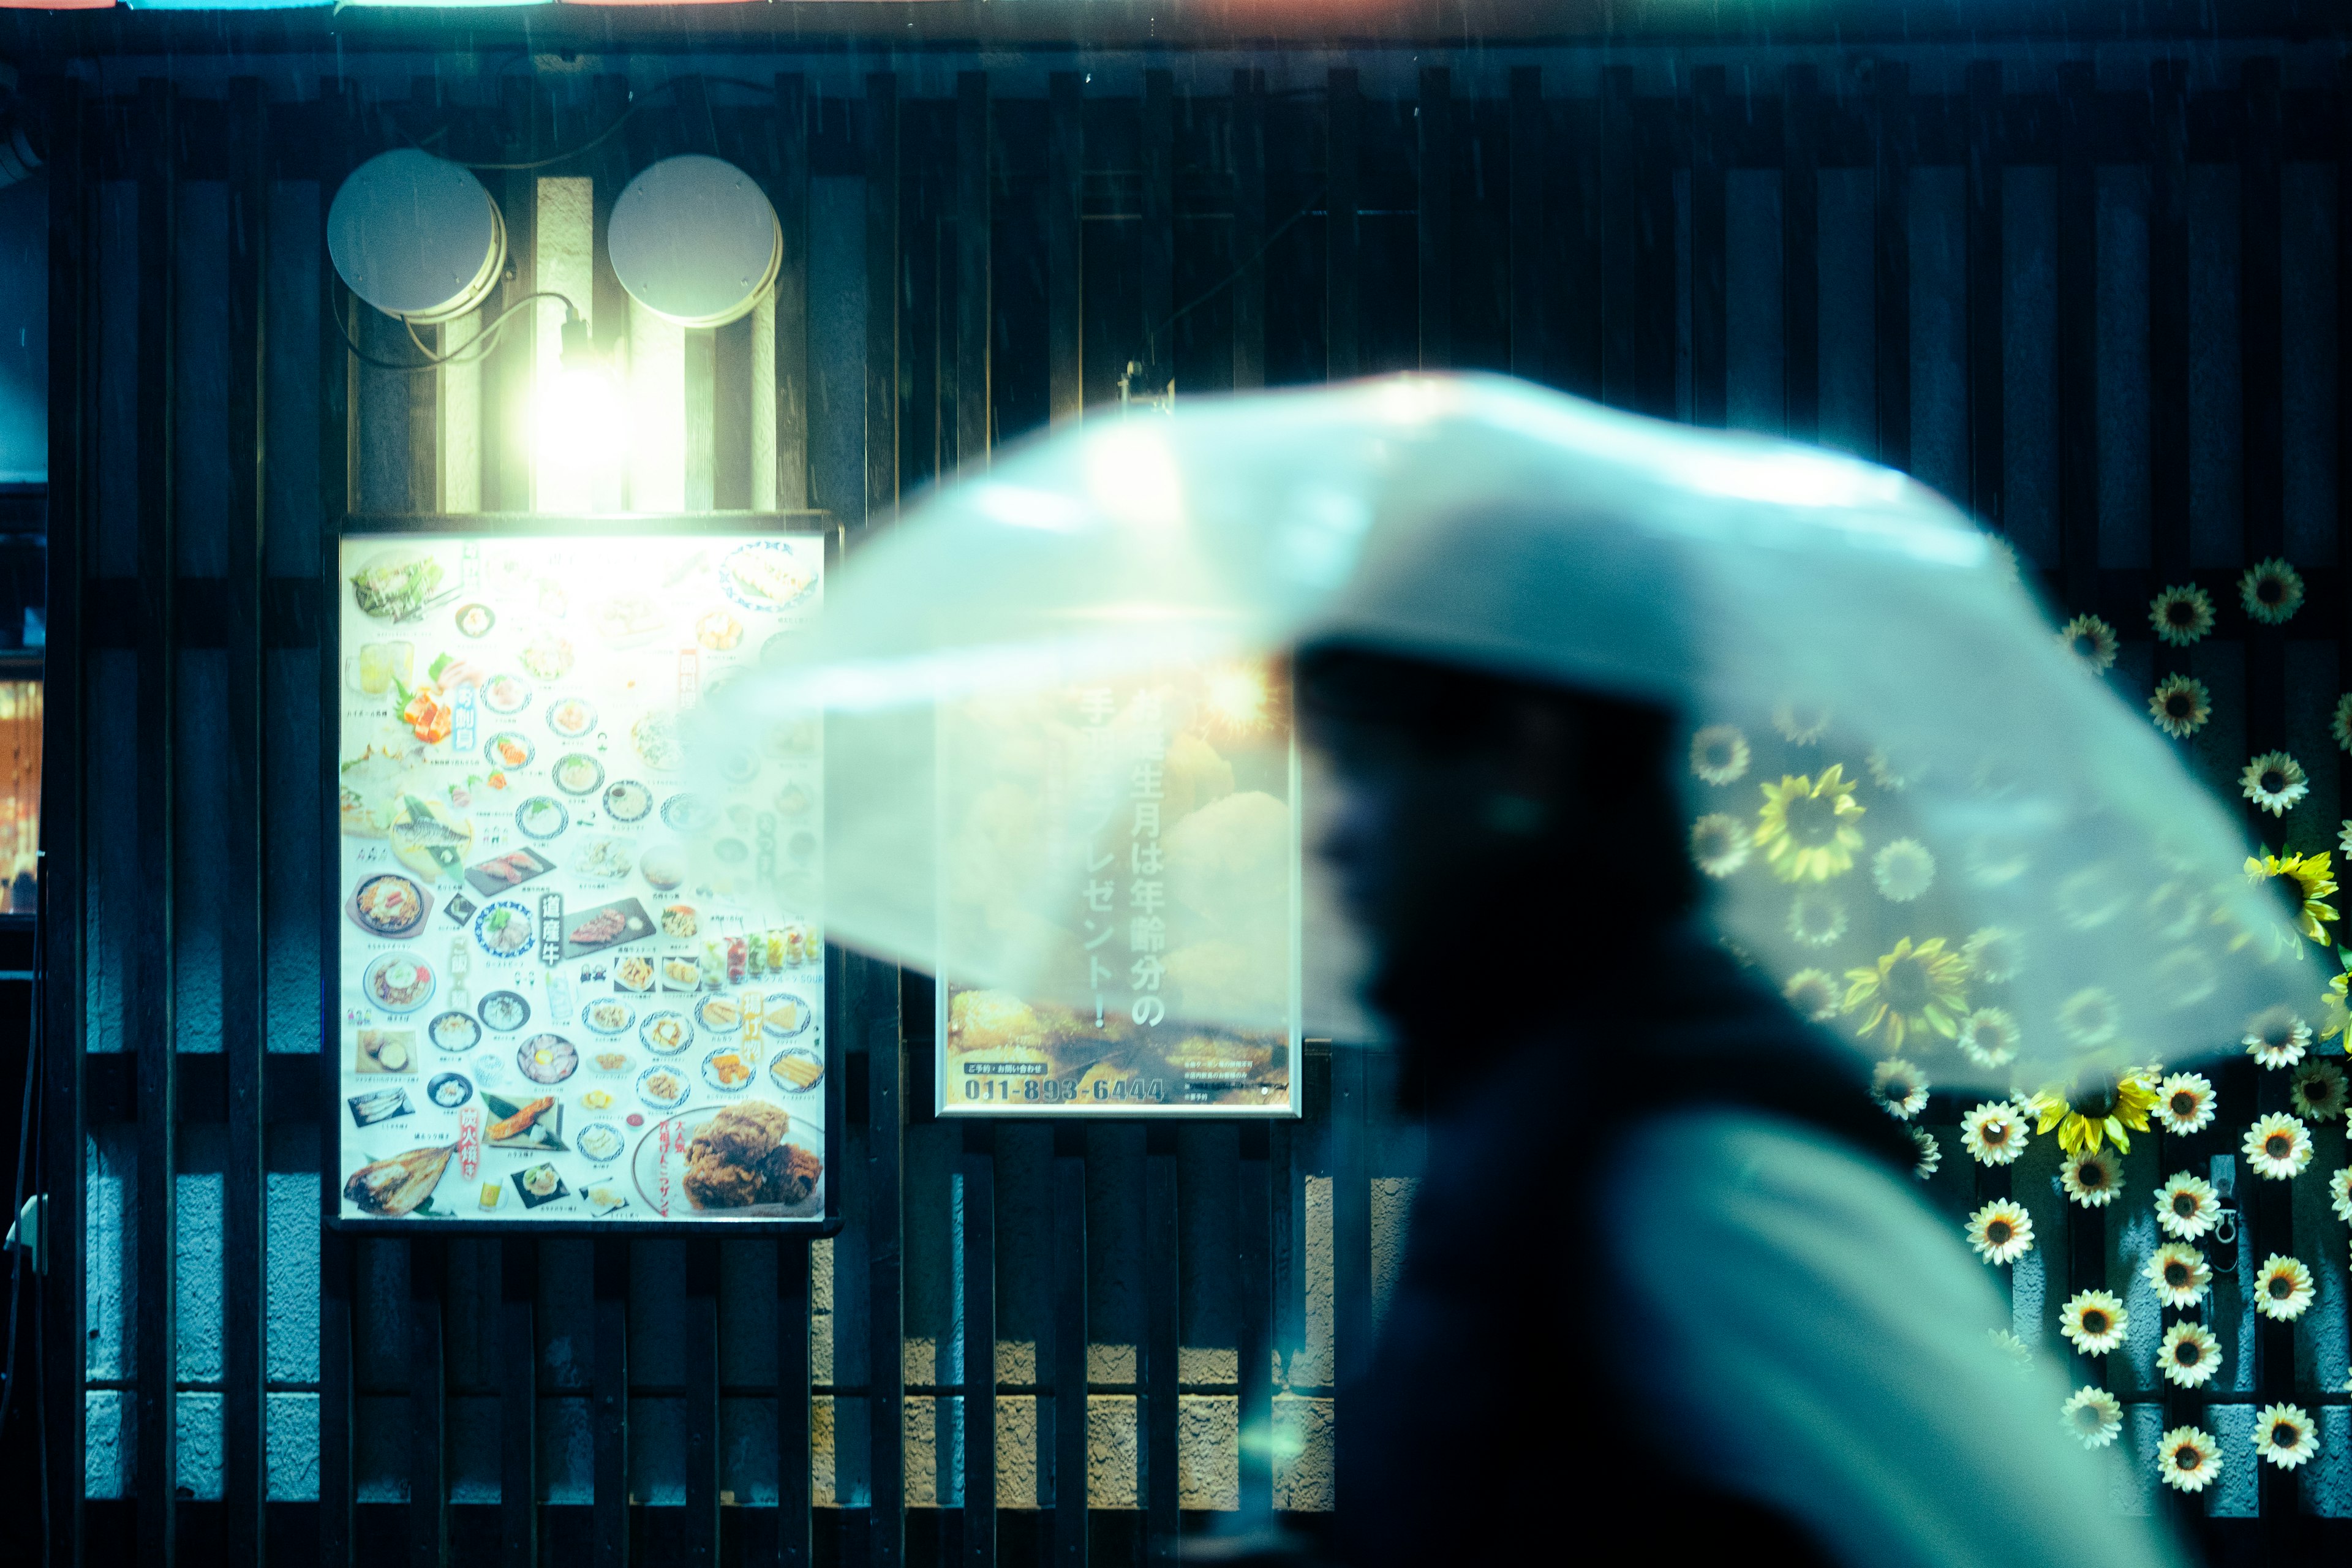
1891 262
698 1331
1161 1378
1801 272
427 1412
1342 187
1982 194
880 127
978 1169
789 190
1249 241
975 310
1070 1331
2078 340
518 1342
609 1411
1434 116
1710 259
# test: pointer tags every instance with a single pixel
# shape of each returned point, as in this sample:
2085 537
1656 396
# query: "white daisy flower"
1993 1133
2186 1459
2091 642
2091 1178
2270 591
2181 705
2001 1231
1718 754
2283 1289
1900 1089
2339 1195
1902 870
1721 844
2285 1436
2319 1090
2186 1207
1988 1037
2275 782
1931 1153
1813 994
2180 1274
2340 726
1817 920
2093 1321
2182 614
1993 953
2343 838
2189 1355
2276 1037
1801 723
2008 1344
2090 1017
2184 1103
2278 1147
2094 1416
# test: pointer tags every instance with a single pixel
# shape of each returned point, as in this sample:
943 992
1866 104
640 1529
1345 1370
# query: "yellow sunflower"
2312 880
2333 1013
2096 1110
1806 828
1910 990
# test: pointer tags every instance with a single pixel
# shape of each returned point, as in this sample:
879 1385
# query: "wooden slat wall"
1581 188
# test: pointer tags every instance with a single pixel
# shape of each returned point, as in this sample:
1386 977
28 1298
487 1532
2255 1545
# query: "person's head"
1489 836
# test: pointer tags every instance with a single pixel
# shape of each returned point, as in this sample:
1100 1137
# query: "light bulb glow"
582 424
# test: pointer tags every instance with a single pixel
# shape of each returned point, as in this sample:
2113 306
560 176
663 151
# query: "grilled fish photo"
397 1186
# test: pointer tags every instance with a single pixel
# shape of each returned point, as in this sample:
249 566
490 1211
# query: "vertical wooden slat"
1655 301
700 1326
1621 257
1987 446
1437 217
1065 247
2078 340
886 1376
1351 1250
700 350
1342 182
244 1257
2167 335
1710 154
1249 230
1891 262
428 1448
509 370
63 1360
1070 1332
794 1544
732 412
975 315
518 1342
881 129
790 193
1161 1373
609 1419
1158 292
2343 314
1525 195
337 1542
153 1007
978 1170
1252 1287
1801 273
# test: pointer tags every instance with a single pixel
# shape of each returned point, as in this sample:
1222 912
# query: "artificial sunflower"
2182 614
2093 1321
2090 1017
2282 1291
1806 827
2187 1206
2275 782
2340 725
1910 990
2001 1231
2308 880
2184 1103
2276 1037
1817 919
2094 1416
1895 768
1718 754
1993 1133
1801 723
1988 1037
2278 1147
2091 640
2110 1107
2319 1090
1993 953
2178 1273
2181 705
1903 870
2339 1195
2190 1356
2333 1012
1900 1089
2270 591
1931 1153
1720 844
2188 1459
2285 1436
1813 994
2091 1179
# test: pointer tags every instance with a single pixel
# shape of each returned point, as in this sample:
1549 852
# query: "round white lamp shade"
693 240
416 237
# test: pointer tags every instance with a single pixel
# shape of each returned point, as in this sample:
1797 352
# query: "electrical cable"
636 102
1151 338
482 337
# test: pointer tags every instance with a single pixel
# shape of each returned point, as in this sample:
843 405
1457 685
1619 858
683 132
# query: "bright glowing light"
584 427
1236 698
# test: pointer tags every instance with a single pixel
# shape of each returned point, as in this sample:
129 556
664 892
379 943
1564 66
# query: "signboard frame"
554 529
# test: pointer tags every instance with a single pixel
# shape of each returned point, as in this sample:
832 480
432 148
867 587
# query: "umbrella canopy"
1918 811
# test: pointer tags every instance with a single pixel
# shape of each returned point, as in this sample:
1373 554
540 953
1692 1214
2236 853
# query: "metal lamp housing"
416 237
693 240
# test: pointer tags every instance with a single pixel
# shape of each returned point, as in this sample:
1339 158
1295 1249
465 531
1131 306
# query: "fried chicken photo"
739 1158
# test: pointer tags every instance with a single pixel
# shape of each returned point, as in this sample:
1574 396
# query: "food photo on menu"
580 974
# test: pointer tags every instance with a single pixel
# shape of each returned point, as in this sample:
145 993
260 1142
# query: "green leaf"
437 666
